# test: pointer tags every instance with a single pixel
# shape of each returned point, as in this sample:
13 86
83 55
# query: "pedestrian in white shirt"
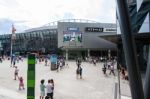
49 88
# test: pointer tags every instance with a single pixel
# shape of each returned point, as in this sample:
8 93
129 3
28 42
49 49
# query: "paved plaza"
94 84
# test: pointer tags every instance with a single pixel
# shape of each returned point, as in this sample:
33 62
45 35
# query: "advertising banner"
72 36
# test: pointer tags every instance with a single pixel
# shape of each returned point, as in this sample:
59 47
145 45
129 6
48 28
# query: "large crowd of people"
108 68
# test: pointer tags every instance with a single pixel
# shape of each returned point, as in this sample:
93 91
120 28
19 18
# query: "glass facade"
39 40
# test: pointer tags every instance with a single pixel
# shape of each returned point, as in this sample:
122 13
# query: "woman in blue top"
42 89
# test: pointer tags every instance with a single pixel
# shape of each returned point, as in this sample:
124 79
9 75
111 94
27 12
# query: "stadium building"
72 37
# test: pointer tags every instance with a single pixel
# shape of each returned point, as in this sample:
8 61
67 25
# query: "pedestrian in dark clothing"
0 59
112 70
79 72
104 68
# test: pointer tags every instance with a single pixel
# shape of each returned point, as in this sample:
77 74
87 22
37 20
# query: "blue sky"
26 14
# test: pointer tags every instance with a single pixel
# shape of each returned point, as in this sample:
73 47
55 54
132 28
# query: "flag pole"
11 47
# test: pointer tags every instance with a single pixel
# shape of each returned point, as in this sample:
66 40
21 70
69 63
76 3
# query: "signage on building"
99 29
73 29
110 30
93 29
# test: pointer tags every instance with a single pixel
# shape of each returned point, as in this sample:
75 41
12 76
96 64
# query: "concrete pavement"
94 84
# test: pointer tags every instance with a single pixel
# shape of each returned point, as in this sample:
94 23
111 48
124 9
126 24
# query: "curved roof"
41 28
53 25
70 20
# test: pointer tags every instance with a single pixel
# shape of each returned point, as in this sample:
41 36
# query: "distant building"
76 38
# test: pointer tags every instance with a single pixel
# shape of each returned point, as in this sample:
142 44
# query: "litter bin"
53 66
53 59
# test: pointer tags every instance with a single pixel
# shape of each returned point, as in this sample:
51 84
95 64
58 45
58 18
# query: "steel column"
147 79
130 51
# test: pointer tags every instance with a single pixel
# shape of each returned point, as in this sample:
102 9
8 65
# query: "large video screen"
72 36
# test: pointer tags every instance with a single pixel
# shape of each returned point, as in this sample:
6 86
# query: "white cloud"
38 12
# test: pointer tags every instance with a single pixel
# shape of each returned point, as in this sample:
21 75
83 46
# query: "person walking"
94 62
14 61
49 88
78 61
16 73
52 82
42 89
112 69
104 69
123 73
58 65
79 72
46 60
61 65
21 83
1 60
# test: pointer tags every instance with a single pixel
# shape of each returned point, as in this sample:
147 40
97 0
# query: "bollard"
31 77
